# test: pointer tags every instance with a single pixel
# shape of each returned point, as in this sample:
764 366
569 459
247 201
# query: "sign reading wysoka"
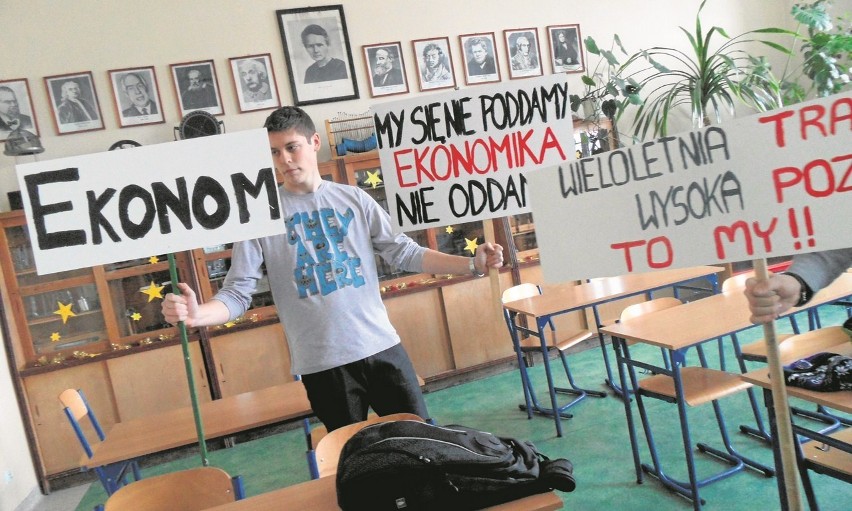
458 156
118 205
772 184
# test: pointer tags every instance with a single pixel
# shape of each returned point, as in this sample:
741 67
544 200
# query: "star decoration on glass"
54 337
153 260
136 316
153 291
471 245
373 178
64 311
450 229
229 324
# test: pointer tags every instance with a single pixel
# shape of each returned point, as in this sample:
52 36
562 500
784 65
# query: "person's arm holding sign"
808 274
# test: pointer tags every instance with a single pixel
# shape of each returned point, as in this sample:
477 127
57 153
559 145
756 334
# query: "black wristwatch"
806 292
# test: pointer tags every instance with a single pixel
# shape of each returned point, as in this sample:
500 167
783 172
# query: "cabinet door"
251 359
478 331
419 320
58 445
155 381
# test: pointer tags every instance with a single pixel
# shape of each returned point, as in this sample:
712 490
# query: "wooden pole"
784 428
190 374
493 273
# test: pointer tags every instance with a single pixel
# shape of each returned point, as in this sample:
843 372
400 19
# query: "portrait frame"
473 75
310 83
518 67
264 98
20 87
394 49
574 43
210 100
442 44
66 118
127 111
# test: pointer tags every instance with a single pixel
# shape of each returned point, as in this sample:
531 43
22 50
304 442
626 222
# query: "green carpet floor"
595 440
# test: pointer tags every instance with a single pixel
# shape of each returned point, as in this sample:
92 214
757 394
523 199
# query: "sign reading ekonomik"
773 184
458 156
100 208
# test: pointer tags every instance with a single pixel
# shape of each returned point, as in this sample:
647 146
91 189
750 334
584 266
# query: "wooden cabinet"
251 359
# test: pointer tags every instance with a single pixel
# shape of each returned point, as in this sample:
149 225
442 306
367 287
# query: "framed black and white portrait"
523 52
319 59
16 108
137 96
254 81
566 49
386 69
74 103
434 63
480 57
197 87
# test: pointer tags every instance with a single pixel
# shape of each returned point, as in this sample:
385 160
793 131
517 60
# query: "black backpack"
413 466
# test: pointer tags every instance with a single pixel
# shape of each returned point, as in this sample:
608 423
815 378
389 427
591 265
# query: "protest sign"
458 156
118 205
772 184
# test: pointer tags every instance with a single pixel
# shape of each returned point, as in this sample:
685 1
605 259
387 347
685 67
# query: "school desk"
221 417
832 456
558 300
321 495
679 328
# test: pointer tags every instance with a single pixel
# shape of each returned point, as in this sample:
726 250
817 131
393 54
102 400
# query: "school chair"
526 341
187 490
112 476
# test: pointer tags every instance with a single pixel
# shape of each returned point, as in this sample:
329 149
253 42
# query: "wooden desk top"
557 299
320 495
841 400
714 316
221 417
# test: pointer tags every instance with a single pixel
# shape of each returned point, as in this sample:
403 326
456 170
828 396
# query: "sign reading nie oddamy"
773 184
457 157
133 203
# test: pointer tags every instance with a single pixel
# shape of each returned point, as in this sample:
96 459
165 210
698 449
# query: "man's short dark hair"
288 118
477 41
432 46
313 29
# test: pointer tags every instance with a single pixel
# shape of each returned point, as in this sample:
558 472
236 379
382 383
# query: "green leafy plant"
709 81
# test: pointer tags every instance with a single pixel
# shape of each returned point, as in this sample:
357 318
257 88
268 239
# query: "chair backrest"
736 282
188 490
77 408
329 447
520 292
802 345
657 304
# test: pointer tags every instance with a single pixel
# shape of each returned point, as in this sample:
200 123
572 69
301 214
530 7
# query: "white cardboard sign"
133 203
457 156
773 184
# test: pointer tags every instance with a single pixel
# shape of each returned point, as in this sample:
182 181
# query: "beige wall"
47 37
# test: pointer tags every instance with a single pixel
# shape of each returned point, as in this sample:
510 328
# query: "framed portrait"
566 48
254 81
434 63
197 87
386 69
480 58
137 96
319 59
523 52
74 103
16 108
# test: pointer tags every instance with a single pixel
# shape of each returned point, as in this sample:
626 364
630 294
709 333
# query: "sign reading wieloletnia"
773 184
134 203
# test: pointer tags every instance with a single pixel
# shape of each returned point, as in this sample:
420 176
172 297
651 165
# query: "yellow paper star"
136 316
64 311
373 178
153 291
229 324
471 245
54 337
450 229
153 260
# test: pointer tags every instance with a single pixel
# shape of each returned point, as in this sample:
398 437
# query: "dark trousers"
385 382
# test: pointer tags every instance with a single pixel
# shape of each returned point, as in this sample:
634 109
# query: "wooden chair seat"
700 385
187 490
793 347
832 458
756 351
533 344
